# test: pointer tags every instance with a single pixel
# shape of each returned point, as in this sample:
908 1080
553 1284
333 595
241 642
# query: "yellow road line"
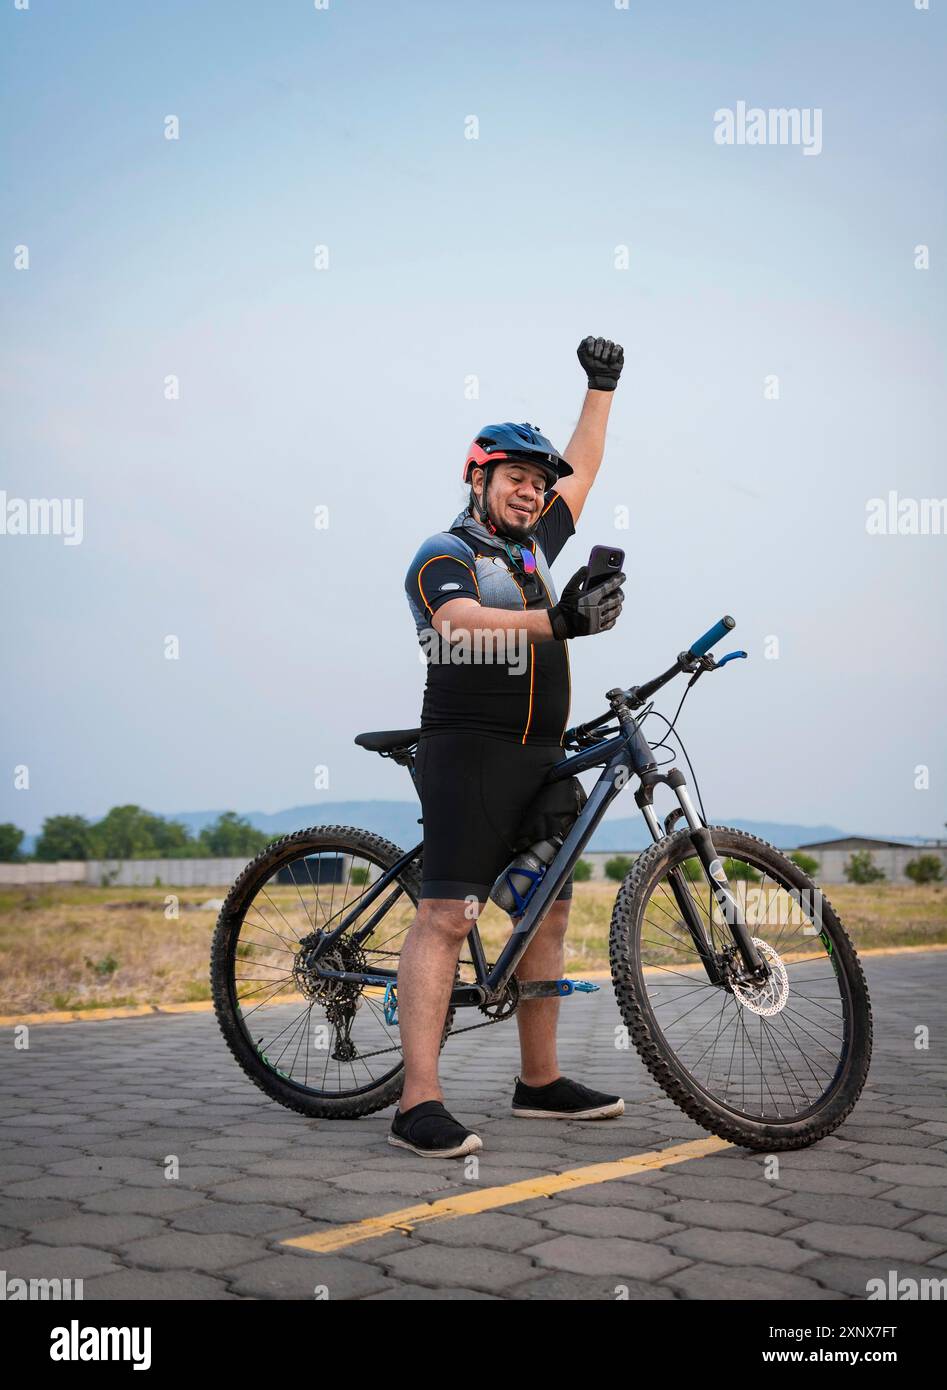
77 1015
156 1010
489 1198
123 1011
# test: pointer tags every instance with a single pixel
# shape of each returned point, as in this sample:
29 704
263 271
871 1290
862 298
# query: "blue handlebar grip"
711 638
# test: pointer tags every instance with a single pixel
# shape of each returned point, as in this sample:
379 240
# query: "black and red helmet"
495 443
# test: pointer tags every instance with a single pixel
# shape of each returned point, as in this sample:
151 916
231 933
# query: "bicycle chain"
454 1032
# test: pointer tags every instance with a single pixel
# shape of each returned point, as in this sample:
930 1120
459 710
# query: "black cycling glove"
602 362
579 614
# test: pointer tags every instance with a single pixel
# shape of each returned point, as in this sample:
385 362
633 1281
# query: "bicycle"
753 1016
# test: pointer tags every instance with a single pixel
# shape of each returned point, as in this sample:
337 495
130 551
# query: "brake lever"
730 656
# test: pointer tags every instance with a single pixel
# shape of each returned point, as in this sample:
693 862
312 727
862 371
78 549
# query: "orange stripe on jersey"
430 562
532 677
532 664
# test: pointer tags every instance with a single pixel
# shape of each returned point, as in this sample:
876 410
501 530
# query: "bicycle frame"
628 754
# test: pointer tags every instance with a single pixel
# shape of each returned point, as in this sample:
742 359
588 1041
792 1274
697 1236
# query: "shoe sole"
471 1144
601 1112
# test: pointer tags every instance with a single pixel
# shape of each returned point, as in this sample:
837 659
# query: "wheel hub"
312 981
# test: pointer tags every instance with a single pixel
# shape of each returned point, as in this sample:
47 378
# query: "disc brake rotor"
771 996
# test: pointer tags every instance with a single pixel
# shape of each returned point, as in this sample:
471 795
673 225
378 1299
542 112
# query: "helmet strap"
478 507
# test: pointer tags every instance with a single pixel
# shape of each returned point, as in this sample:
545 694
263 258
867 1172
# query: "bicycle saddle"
387 740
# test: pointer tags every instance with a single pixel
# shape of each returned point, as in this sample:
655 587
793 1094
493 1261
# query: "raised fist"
602 362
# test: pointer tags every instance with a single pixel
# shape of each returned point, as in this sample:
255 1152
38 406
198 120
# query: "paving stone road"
89 1113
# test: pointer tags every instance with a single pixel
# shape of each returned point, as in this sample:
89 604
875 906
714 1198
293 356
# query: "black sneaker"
429 1130
563 1099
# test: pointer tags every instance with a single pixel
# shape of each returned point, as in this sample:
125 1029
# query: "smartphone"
605 560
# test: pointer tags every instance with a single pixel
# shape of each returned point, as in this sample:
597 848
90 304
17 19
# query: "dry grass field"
76 947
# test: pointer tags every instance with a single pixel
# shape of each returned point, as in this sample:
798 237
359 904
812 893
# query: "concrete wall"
65 871
175 873
138 873
220 873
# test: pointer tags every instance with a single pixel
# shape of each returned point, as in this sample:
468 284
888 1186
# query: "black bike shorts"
474 790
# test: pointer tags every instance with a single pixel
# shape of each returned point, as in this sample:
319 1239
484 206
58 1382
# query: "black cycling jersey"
523 692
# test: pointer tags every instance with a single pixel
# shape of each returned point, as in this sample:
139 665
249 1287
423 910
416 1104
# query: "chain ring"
502 1008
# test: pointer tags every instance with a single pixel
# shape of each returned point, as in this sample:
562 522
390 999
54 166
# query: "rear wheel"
320 1046
769 1067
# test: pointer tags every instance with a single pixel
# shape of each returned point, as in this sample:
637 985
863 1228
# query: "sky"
461 274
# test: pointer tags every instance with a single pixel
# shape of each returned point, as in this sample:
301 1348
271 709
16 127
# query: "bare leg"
425 980
538 1018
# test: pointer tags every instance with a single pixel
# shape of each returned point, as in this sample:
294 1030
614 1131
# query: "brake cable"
672 730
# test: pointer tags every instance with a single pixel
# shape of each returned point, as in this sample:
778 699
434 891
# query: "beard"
513 529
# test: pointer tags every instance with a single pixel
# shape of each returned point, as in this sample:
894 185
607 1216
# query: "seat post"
405 757
399 744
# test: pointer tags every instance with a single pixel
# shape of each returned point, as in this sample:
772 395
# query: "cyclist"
496 705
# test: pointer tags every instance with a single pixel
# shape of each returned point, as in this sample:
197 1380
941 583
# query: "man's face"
515 497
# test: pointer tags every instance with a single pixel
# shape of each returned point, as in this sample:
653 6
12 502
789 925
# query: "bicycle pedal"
566 987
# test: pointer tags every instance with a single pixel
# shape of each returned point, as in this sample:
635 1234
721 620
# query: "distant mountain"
395 820
398 821
630 832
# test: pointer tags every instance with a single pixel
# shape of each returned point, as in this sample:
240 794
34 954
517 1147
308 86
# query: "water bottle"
519 880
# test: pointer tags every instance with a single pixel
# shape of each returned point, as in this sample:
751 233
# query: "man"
492 723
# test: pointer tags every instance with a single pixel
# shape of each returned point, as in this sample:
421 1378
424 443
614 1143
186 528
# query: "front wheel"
769 1067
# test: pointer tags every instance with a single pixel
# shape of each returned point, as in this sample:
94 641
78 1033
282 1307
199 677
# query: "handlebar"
694 659
712 636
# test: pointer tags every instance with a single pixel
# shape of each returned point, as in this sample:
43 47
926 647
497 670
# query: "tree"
617 868
861 868
806 862
582 871
11 837
64 837
125 833
171 839
231 836
926 869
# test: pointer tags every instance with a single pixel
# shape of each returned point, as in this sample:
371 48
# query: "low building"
832 856
891 856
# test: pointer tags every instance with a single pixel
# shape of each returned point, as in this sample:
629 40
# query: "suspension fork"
680 888
644 764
